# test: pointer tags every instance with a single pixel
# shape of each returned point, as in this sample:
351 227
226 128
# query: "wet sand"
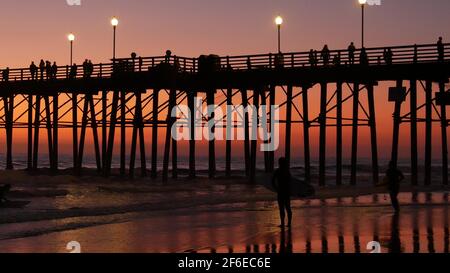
215 216
252 228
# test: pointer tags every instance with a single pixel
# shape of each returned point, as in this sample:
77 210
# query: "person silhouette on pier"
85 68
440 47
337 59
54 70
5 74
363 58
73 71
388 55
33 71
351 53
48 69
312 60
394 176
42 68
325 55
281 181
168 56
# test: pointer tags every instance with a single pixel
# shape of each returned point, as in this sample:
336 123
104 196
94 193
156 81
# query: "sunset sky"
32 30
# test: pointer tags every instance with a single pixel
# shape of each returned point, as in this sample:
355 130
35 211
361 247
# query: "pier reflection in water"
344 225
421 227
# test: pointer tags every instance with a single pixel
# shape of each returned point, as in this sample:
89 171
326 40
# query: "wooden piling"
428 130
192 112
306 126
373 133
413 128
75 129
323 132
55 133
355 121
30 133
155 124
37 124
287 153
123 102
444 148
210 97
246 132
339 133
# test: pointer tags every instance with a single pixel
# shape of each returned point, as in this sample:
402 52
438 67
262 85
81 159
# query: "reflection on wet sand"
344 225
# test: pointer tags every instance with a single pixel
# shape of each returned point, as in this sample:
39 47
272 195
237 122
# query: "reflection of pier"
135 93
421 230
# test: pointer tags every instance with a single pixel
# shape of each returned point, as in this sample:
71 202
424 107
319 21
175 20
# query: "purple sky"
37 29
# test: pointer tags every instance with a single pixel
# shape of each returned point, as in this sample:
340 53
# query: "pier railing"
410 54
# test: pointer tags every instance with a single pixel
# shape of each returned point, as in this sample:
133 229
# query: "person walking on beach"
394 176
351 53
281 182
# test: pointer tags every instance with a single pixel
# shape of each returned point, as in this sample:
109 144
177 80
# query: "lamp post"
363 4
279 22
114 23
71 38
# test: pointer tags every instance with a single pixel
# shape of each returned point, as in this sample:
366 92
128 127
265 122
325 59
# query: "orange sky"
38 29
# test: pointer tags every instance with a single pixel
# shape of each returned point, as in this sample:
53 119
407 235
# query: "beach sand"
220 215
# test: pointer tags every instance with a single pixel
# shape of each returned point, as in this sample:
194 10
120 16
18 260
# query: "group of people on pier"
388 55
47 70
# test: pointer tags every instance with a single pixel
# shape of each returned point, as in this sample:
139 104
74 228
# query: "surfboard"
299 188
14 204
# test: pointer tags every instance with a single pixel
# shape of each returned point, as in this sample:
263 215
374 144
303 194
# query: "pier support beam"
123 102
229 132
339 133
104 127
414 153
138 131
396 129
210 97
428 130
48 118
354 159
94 127
37 124
246 133
323 134
112 131
174 141
75 129
169 123
272 101
192 152
444 137
287 153
373 133
30 133
55 133
9 120
154 169
254 143
306 126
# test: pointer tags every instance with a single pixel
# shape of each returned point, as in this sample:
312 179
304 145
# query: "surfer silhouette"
3 191
281 182
394 177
